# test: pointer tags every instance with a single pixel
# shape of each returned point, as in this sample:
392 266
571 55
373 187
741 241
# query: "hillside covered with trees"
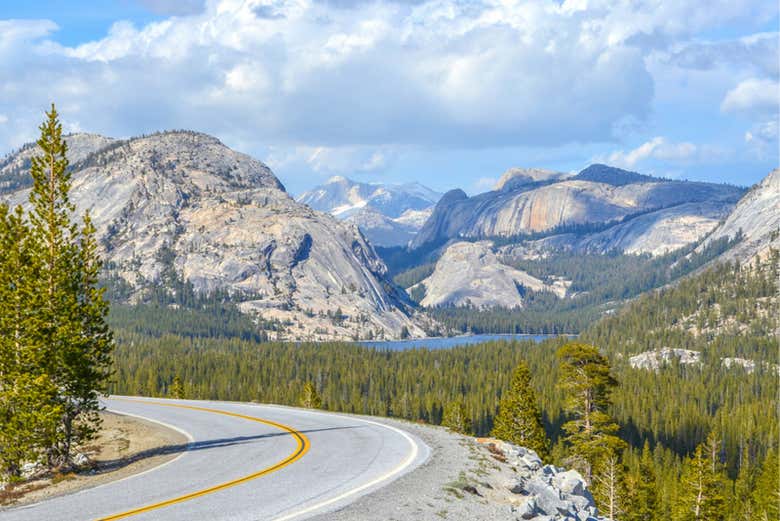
668 419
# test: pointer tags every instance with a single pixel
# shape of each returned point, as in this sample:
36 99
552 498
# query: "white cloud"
3 119
358 80
753 96
763 138
327 161
661 149
440 72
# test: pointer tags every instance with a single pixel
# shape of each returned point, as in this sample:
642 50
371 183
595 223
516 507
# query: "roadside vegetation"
647 433
55 345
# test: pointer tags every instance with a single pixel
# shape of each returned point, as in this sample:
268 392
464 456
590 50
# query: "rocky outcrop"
470 274
653 360
594 201
515 178
388 215
15 167
184 203
757 218
544 492
657 232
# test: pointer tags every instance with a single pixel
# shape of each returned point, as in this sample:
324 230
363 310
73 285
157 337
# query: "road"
244 462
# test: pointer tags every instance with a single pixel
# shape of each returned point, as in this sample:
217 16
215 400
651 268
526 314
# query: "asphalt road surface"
244 462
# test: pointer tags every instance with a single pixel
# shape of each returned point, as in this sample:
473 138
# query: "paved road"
245 462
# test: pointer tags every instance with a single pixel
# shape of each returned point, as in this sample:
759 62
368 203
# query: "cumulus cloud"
756 51
341 85
753 95
661 149
764 138
440 72
327 161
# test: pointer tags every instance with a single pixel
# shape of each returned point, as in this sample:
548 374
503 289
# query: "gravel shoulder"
125 446
460 481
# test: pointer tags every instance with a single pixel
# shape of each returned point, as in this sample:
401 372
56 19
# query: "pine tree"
456 418
641 501
29 412
309 397
743 486
587 384
702 496
609 487
78 342
177 388
519 420
766 494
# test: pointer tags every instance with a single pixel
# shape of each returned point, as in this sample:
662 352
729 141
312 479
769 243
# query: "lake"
447 342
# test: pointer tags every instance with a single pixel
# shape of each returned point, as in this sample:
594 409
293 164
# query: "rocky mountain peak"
181 205
523 177
599 173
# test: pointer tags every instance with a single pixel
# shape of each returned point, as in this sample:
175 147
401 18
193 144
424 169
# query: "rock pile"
544 492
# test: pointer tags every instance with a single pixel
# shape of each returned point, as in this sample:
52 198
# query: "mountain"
524 177
389 215
182 206
599 199
757 218
15 167
470 274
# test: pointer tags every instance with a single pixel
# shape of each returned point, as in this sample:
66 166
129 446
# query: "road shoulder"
126 446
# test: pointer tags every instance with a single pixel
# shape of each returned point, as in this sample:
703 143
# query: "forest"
726 311
599 284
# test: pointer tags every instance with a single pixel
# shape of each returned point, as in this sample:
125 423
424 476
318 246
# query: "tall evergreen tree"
29 413
519 420
587 383
77 341
702 496
609 487
766 495
641 501
310 398
456 418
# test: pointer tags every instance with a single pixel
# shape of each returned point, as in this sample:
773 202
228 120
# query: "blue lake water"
447 342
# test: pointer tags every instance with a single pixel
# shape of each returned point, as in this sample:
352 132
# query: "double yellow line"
301 449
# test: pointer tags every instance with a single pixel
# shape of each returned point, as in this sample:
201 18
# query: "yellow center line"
302 448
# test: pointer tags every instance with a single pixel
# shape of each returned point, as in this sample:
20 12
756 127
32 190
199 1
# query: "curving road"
244 462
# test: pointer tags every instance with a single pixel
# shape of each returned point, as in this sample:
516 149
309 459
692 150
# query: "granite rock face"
221 220
470 273
388 215
757 217
544 492
599 199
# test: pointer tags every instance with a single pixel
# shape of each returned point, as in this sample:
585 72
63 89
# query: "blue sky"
446 92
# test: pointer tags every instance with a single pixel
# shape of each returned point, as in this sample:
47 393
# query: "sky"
449 93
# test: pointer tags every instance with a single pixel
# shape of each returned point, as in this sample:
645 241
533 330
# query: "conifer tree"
456 418
641 500
519 420
177 388
77 341
309 397
29 413
587 383
766 494
609 488
743 486
702 496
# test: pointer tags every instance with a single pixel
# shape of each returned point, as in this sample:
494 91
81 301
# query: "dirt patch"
125 446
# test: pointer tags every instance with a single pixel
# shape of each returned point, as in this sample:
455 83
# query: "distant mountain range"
181 205
389 215
608 208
